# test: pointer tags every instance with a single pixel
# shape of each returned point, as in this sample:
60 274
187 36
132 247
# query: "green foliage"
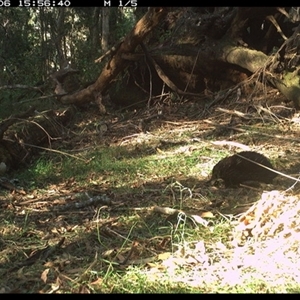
121 22
30 39
29 42
15 45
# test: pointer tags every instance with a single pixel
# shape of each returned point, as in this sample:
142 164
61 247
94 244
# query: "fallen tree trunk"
117 63
286 82
224 50
214 59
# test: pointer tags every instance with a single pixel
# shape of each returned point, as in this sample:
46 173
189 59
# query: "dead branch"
236 113
274 22
110 52
20 86
164 77
40 130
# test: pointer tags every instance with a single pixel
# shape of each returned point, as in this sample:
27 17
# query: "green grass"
114 163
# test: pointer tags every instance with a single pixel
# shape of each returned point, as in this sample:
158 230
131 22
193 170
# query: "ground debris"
274 216
37 255
104 199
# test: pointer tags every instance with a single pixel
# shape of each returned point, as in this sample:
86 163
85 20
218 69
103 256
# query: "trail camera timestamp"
44 3
5 3
63 3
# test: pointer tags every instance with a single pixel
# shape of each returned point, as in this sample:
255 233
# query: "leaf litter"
66 237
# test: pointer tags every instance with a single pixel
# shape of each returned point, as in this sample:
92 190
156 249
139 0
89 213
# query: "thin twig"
57 151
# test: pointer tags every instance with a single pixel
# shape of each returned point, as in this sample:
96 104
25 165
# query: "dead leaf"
199 220
163 244
207 214
49 264
164 256
109 253
44 275
98 282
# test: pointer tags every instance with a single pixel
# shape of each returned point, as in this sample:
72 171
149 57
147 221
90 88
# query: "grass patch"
114 164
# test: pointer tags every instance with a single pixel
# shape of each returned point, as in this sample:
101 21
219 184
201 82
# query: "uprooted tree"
198 49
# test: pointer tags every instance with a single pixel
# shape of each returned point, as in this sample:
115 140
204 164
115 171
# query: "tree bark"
255 61
118 63
105 28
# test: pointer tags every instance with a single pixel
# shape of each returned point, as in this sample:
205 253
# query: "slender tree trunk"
105 29
95 31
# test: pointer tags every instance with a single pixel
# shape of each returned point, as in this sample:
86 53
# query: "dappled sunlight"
136 202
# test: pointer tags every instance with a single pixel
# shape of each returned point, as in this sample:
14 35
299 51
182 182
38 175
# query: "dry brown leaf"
49 264
163 244
55 286
108 253
207 214
98 282
44 275
55 230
